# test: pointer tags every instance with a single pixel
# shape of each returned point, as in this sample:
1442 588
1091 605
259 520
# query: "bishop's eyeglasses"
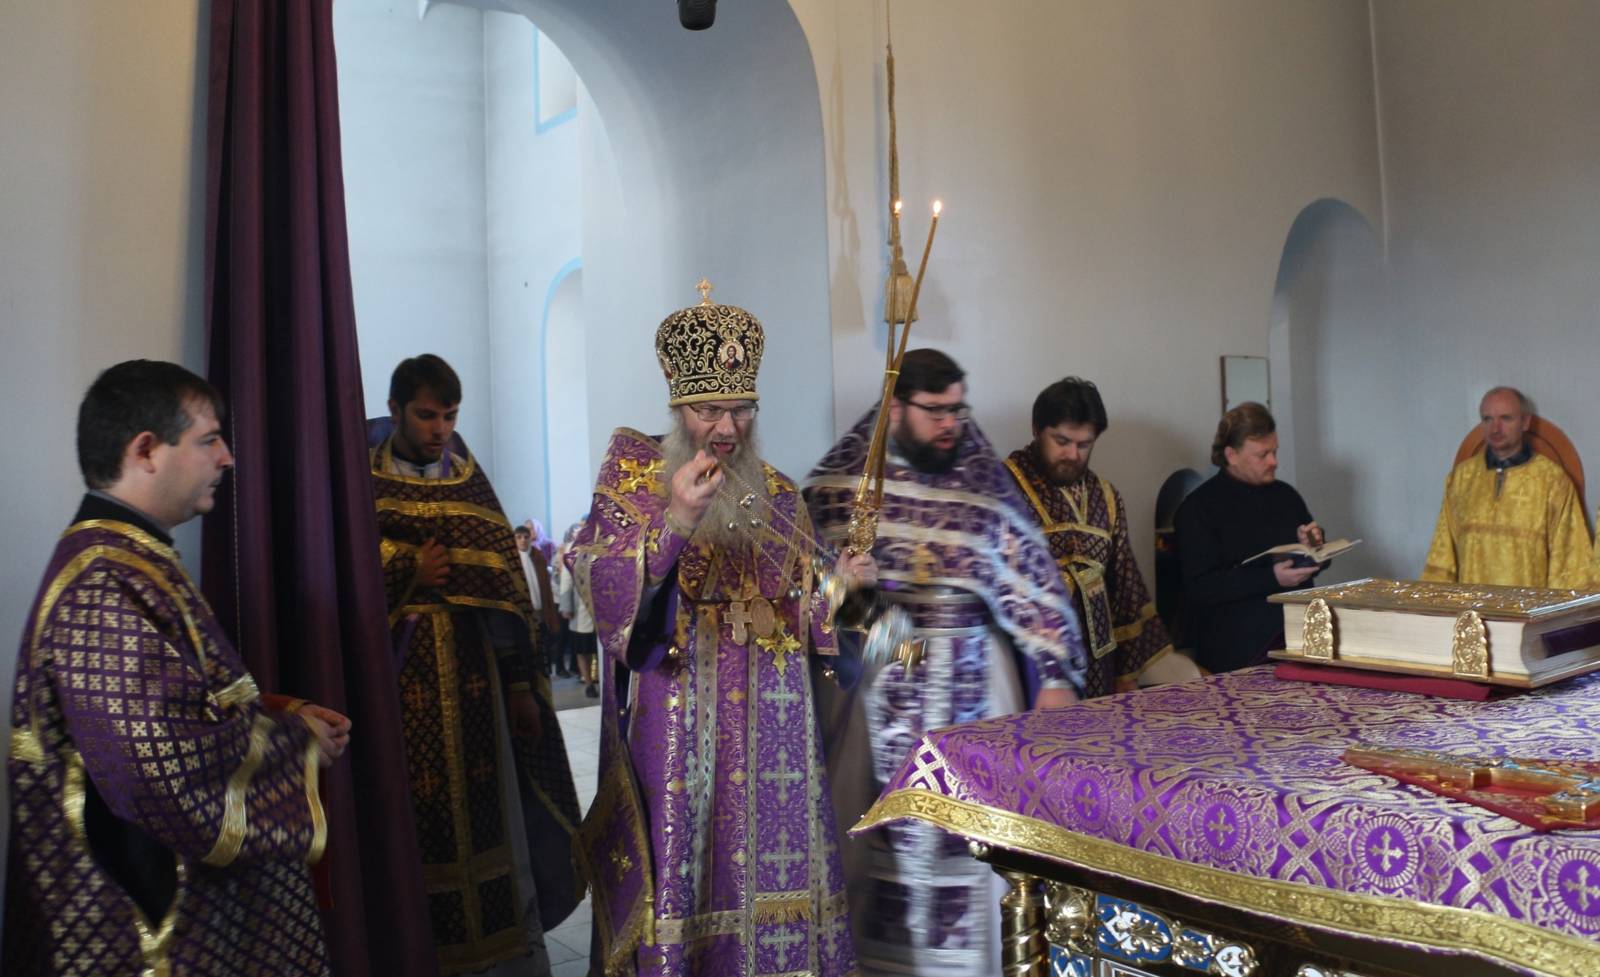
711 413
941 412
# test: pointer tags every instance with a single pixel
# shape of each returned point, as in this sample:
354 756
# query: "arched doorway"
1337 384
564 342
717 143
701 156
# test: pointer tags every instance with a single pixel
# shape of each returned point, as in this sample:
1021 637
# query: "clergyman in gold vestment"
1510 516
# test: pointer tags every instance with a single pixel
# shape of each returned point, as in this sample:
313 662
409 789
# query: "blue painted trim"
540 128
576 264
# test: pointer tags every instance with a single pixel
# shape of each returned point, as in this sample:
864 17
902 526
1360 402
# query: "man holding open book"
1223 528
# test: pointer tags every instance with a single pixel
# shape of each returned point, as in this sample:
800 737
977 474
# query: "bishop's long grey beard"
744 475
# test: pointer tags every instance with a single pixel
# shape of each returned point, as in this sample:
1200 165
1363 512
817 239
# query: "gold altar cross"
1566 797
738 618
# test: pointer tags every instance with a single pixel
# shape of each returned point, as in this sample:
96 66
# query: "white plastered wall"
715 170
1492 167
533 190
411 113
1118 179
1492 237
102 161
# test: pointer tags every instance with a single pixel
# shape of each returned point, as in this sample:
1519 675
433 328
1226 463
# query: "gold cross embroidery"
637 475
923 563
425 783
780 643
622 863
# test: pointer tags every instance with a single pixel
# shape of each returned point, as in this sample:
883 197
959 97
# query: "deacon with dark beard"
711 844
959 551
1086 524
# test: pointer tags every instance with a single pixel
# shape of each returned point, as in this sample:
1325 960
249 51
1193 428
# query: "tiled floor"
568 944
569 694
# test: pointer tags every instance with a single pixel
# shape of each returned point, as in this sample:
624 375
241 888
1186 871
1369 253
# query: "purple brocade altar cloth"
1231 789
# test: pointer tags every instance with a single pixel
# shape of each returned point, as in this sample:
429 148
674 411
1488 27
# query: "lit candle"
916 288
897 205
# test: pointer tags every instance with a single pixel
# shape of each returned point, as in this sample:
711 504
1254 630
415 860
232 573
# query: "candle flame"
938 205
897 205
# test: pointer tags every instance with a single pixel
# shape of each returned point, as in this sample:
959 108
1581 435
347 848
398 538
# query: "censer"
887 627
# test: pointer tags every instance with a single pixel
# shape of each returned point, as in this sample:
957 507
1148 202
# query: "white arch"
1339 385
1300 262
562 349
717 138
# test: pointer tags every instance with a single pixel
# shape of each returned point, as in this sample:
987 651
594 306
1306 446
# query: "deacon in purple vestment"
162 818
711 846
494 812
960 554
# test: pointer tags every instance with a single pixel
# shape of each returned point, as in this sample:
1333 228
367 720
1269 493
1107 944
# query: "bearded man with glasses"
710 846
958 550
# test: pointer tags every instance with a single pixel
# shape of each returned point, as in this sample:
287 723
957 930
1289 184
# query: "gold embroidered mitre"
710 352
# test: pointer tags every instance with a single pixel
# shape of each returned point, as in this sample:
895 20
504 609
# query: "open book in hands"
1302 555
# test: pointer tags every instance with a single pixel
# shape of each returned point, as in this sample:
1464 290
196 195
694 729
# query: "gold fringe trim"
783 911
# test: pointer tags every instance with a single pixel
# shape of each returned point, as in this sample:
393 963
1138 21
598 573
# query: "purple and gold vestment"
460 649
1086 526
711 847
960 554
129 694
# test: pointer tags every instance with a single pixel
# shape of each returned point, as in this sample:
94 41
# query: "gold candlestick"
869 491
916 289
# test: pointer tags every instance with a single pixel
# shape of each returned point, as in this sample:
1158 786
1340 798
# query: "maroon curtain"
290 558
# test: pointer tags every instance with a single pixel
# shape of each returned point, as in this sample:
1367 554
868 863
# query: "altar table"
1212 827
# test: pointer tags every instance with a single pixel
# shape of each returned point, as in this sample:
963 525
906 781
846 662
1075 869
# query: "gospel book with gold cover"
1501 635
